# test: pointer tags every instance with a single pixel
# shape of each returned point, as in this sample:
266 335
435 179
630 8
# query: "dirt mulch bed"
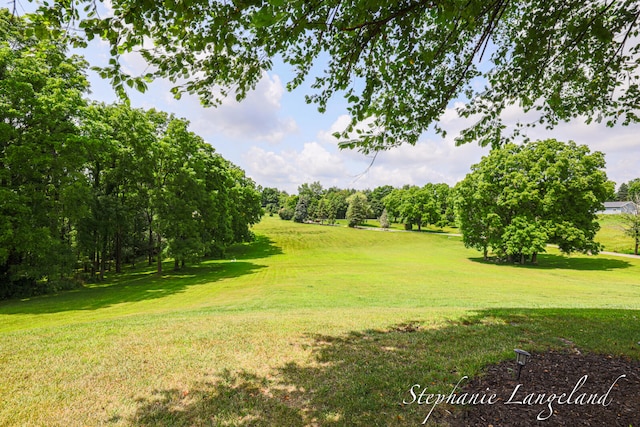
591 404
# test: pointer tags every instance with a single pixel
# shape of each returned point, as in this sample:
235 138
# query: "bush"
285 213
384 219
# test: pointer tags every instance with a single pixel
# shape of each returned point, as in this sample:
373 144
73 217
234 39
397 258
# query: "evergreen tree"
301 212
358 209
623 192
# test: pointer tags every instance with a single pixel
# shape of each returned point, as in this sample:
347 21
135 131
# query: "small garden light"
522 357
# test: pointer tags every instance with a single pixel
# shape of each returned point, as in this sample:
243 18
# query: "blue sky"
280 141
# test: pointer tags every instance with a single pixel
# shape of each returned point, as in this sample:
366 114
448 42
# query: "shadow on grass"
559 262
362 378
130 287
144 284
261 247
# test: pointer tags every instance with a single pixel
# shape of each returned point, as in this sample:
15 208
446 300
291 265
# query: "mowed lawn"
308 325
612 234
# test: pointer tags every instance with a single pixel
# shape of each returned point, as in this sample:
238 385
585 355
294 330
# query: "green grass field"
308 325
612 235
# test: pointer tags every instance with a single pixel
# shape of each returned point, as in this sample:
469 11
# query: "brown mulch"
555 373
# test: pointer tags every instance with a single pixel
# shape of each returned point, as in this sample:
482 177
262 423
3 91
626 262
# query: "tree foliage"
272 199
399 64
633 189
413 205
358 210
41 161
384 219
631 223
623 192
302 209
87 187
519 198
375 199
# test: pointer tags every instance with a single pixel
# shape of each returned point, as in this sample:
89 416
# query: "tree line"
629 191
411 205
514 202
88 187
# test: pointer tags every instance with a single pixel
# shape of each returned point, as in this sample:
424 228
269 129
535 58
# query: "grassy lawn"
611 235
309 325
374 223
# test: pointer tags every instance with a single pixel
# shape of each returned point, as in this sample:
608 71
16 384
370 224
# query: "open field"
398 226
309 325
612 235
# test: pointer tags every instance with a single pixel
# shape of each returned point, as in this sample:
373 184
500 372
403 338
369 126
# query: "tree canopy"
631 223
399 64
519 198
85 186
358 210
413 205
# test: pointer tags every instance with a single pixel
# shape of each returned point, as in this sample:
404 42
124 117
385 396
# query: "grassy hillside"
612 235
309 325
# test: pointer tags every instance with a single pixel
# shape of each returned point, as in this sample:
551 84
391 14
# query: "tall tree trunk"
118 252
94 263
159 254
94 256
534 258
150 239
103 265
103 258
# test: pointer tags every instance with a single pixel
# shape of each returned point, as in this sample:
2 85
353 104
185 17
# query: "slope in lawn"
307 325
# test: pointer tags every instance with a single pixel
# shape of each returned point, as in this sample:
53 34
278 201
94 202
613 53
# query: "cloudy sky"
280 141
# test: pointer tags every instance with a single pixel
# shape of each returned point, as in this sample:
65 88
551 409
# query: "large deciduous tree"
41 157
399 64
83 185
521 197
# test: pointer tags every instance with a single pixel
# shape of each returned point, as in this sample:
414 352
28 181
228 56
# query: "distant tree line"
412 206
86 188
628 191
518 199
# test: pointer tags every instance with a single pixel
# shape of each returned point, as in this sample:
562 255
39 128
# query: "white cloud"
286 170
431 160
435 159
316 161
256 118
620 144
268 168
339 125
